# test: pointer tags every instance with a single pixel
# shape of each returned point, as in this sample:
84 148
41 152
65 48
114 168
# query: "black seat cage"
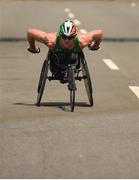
79 60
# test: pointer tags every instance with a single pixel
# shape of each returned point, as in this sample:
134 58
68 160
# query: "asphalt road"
49 141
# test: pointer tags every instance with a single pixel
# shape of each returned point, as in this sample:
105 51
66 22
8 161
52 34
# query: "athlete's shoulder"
83 39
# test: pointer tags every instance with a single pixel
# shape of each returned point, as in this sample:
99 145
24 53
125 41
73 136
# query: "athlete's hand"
34 51
93 47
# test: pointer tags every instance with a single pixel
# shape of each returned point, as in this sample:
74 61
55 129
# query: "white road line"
110 64
67 10
71 15
83 31
77 22
135 90
133 4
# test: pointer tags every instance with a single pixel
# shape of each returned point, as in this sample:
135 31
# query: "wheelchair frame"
72 76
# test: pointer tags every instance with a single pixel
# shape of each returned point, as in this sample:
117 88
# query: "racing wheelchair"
67 68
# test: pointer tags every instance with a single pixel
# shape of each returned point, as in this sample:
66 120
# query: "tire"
72 87
87 80
41 76
42 81
72 100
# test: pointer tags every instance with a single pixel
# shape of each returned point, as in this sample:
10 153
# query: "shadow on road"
60 105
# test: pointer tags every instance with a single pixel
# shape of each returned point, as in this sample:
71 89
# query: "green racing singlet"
63 55
75 49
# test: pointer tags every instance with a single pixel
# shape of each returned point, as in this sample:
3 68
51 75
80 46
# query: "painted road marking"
67 10
133 4
135 90
83 31
71 15
77 22
110 64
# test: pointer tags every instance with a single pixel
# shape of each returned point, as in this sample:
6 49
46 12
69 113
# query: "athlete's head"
67 28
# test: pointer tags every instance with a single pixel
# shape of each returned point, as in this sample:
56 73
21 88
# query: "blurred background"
117 18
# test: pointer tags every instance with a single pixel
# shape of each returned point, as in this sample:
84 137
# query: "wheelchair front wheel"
72 86
72 100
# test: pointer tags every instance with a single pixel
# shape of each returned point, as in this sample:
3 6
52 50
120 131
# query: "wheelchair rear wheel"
87 81
42 81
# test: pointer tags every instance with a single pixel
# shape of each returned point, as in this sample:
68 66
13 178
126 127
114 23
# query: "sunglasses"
67 37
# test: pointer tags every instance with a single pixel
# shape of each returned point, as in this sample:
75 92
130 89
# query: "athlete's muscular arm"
37 35
94 37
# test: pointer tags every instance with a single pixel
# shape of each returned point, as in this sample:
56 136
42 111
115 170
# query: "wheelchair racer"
66 44
66 39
